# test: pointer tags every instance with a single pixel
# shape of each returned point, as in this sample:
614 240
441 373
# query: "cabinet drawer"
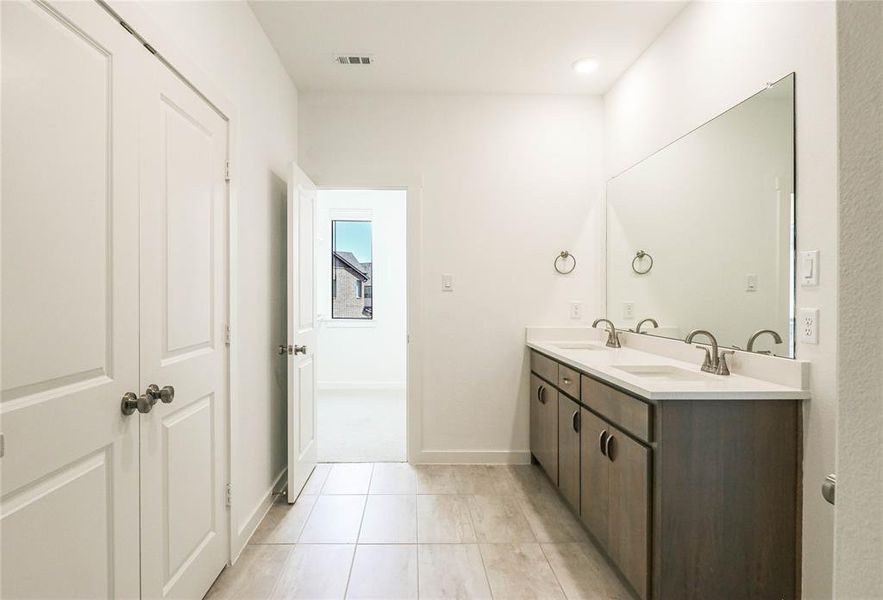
544 366
626 412
568 381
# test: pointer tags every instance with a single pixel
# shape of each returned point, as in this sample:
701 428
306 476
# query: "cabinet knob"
565 380
602 442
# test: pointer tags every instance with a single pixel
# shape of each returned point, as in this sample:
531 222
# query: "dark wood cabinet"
544 425
690 499
628 512
568 450
594 476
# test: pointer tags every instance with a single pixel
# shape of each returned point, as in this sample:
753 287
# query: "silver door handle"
282 350
300 349
130 403
166 394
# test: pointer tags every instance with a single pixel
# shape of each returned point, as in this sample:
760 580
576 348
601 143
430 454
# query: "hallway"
392 530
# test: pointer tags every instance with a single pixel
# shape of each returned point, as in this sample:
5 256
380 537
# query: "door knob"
130 403
166 394
282 350
300 349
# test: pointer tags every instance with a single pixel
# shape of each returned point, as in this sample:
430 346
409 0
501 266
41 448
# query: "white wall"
858 567
226 42
711 57
364 354
507 182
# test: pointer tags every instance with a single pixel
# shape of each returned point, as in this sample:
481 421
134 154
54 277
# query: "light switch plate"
447 282
808 268
808 325
751 282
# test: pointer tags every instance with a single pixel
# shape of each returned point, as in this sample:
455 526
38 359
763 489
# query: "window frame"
359 287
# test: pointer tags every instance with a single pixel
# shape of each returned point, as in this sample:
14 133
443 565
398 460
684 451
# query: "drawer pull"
541 394
602 439
566 380
575 421
607 448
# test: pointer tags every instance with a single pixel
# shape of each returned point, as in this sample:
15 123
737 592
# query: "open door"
301 332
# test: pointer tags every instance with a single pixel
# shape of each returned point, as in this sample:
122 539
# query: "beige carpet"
361 426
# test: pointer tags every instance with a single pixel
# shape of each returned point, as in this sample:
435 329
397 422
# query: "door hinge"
227 171
228 335
229 495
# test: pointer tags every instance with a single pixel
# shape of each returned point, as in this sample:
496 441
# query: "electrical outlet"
576 310
808 325
628 310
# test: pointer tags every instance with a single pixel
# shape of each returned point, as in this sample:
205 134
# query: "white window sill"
348 323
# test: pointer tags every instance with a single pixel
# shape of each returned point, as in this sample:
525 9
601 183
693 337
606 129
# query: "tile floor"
394 531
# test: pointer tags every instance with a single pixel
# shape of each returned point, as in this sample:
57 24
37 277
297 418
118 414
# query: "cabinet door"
594 468
544 426
629 506
568 449
536 413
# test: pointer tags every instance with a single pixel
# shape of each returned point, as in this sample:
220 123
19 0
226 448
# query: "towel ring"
640 254
562 257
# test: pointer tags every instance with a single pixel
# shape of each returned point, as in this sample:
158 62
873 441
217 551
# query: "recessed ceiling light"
584 66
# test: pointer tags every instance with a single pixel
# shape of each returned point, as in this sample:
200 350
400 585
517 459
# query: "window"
351 270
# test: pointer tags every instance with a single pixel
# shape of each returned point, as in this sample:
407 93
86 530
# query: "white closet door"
69 492
183 318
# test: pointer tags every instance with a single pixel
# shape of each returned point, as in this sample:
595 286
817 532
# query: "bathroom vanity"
690 482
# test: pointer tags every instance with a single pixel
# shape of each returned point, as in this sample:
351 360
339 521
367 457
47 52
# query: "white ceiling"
451 46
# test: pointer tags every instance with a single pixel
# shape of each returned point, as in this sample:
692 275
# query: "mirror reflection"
701 234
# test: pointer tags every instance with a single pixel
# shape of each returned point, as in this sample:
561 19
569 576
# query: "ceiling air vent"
354 59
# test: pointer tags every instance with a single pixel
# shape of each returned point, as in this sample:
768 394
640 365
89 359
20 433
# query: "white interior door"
69 491
183 318
301 331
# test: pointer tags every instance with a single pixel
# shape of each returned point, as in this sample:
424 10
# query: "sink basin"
661 372
579 346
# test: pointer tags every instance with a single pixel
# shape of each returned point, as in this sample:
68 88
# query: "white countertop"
602 364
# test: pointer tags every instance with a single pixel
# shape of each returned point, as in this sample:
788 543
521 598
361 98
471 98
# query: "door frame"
147 30
413 188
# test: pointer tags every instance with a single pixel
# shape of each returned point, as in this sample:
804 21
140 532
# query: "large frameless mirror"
701 234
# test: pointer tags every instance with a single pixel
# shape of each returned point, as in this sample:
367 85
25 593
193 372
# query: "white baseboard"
361 385
247 528
472 457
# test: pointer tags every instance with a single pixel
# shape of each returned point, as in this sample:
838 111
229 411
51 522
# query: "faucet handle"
722 367
707 365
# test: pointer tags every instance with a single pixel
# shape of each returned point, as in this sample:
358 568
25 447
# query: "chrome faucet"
715 361
647 320
612 336
776 338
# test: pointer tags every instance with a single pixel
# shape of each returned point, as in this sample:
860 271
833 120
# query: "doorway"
361 310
